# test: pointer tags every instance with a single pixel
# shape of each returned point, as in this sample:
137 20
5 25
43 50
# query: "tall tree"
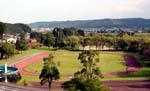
60 37
21 45
89 60
49 71
88 78
49 40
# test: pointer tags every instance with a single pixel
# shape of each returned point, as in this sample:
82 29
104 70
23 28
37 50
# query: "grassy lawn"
68 64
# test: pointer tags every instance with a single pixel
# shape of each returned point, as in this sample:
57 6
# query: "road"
123 85
14 87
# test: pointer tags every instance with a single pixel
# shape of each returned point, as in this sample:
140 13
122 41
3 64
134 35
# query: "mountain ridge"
96 23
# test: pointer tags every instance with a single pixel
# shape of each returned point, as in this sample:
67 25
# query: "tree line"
72 38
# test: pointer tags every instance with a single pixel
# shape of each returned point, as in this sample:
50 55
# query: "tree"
80 32
49 71
134 45
60 37
70 31
146 55
122 44
98 41
49 40
89 60
87 78
6 49
86 41
2 29
72 42
21 45
37 36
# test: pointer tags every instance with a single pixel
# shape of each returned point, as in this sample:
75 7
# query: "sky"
28 11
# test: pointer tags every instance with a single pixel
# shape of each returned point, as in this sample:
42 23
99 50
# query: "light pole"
6 80
6 73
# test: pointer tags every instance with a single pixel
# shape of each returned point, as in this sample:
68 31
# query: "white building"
8 38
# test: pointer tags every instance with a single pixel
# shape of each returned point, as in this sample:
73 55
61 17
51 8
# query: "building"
8 38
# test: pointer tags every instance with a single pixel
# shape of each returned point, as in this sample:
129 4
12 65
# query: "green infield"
68 63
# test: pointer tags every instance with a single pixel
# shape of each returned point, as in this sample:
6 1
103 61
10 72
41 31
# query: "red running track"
28 62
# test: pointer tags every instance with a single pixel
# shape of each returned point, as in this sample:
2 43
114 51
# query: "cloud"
50 10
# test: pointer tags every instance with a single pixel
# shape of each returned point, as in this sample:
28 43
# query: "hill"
16 28
107 23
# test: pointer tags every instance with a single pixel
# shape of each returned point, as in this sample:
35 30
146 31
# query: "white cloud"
38 10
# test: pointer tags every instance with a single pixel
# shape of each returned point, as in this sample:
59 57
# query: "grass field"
68 63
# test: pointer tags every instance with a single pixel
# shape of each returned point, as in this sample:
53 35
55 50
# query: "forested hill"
108 23
16 28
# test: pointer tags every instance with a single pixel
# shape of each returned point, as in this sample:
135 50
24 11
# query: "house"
11 40
8 38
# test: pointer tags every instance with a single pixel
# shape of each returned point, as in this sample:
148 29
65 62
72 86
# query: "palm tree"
49 71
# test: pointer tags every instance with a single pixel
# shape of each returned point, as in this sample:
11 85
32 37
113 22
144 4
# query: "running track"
132 65
131 62
29 60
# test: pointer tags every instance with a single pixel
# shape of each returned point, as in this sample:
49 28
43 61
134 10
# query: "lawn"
68 63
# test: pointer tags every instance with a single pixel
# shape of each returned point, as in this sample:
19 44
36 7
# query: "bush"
14 78
82 84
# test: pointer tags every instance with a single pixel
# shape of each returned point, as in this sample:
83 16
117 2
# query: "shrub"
82 84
